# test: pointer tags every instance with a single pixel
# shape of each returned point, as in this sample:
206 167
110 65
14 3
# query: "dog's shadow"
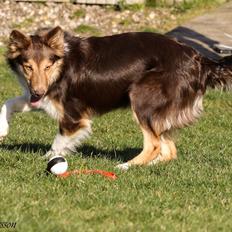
196 40
84 150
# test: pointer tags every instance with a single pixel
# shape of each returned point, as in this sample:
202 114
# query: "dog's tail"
219 74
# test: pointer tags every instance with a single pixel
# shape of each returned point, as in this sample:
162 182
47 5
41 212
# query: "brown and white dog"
74 78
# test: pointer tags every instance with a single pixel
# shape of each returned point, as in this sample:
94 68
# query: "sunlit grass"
190 194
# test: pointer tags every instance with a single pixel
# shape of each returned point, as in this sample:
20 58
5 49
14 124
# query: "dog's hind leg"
151 150
167 150
151 104
18 104
70 136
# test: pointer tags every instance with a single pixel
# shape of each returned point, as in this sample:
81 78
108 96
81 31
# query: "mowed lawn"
193 193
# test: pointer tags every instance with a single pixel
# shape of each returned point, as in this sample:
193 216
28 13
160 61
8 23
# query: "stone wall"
108 2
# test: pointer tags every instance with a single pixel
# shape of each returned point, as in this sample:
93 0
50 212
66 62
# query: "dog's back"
105 68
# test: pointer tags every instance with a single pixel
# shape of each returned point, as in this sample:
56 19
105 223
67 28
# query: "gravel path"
207 31
81 19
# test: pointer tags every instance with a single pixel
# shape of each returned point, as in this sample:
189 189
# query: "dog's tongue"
35 100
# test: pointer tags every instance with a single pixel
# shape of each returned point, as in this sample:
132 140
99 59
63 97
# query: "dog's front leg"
18 104
70 136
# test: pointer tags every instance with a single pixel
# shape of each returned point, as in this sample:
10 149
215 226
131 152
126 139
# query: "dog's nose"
38 92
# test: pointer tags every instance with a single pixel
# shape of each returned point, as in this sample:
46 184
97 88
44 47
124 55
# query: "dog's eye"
28 68
48 67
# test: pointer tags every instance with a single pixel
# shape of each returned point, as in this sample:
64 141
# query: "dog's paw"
51 153
4 128
155 161
123 166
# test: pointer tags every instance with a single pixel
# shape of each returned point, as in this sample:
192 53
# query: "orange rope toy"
58 165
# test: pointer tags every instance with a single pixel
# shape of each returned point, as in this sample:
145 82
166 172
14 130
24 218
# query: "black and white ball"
57 165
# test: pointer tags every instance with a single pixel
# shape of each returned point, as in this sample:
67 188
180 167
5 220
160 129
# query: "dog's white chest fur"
49 107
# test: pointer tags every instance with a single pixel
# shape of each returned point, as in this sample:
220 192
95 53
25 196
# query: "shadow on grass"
85 150
26 147
198 41
120 155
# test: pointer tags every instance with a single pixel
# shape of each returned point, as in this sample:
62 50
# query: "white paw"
123 167
155 161
4 128
51 153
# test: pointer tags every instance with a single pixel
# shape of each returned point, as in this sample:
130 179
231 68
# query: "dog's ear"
18 41
55 40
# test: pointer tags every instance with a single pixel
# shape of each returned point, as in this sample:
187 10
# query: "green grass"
196 4
150 29
122 5
80 13
25 23
184 5
126 22
87 30
193 193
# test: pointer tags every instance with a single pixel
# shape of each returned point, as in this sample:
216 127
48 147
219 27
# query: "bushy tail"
219 74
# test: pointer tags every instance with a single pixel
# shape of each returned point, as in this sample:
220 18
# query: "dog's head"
38 59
